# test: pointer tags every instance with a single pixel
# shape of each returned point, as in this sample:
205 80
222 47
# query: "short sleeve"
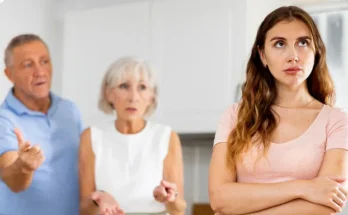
78 118
227 122
337 130
8 140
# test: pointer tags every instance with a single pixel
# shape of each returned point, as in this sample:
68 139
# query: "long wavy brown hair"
256 120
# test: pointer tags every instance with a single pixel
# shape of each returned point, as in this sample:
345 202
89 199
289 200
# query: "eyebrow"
299 38
26 57
139 81
25 60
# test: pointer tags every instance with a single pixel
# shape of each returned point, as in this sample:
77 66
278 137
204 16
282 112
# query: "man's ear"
9 74
262 56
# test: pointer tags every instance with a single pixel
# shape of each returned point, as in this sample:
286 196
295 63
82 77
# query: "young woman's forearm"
298 207
242 198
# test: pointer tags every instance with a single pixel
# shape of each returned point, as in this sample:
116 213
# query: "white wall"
28 16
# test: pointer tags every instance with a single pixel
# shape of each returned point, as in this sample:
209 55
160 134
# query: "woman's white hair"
121 68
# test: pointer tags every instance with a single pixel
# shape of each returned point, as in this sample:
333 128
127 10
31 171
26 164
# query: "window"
333 26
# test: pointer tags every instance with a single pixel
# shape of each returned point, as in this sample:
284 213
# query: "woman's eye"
303 43
143 87
279 44
123 86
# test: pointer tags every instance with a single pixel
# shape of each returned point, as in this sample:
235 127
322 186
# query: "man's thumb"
95 196
25 146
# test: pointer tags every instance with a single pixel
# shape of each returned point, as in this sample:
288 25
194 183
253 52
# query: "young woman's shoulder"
337 128
337 115
226 123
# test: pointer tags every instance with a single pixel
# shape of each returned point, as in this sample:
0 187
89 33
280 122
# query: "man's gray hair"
18 41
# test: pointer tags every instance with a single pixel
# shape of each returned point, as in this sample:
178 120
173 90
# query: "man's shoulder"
5 111
7 116
67 107
66 103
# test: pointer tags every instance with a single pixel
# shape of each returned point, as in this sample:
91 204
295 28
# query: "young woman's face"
289 53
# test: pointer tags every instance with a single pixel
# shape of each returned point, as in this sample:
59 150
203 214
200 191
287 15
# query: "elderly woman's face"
131 97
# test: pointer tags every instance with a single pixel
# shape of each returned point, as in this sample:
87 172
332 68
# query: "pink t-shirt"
300 158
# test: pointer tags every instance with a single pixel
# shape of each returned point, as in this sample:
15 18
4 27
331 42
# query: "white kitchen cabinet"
193 45
93 39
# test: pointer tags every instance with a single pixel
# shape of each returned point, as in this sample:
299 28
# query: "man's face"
30 70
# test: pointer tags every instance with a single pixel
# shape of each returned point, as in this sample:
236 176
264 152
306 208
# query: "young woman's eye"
303 43
279 44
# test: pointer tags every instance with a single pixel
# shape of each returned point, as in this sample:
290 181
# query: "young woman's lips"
293 70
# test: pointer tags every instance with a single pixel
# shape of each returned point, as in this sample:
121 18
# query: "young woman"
283 149
130 165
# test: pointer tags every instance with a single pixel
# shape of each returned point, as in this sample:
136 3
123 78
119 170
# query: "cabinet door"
93 39
191 45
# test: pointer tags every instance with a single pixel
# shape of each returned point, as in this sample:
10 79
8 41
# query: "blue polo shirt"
54 189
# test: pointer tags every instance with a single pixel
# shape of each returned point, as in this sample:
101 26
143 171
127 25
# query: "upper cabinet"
191 45
195 45
93 39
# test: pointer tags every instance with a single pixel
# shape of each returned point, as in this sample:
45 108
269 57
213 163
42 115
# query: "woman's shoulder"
337 111
158 126
230 112
336 115
98 128
103 125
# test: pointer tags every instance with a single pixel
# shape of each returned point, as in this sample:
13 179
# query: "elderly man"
39 136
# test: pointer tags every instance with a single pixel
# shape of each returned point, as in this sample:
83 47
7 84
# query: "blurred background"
199 48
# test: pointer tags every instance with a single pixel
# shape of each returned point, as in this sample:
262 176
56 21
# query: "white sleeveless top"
130 166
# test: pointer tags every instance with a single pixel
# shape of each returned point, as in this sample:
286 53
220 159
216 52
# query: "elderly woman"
130 165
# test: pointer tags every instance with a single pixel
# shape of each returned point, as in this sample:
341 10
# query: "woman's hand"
107 204
165 192
326 191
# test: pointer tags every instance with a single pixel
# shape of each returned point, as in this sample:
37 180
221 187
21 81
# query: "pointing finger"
19 136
